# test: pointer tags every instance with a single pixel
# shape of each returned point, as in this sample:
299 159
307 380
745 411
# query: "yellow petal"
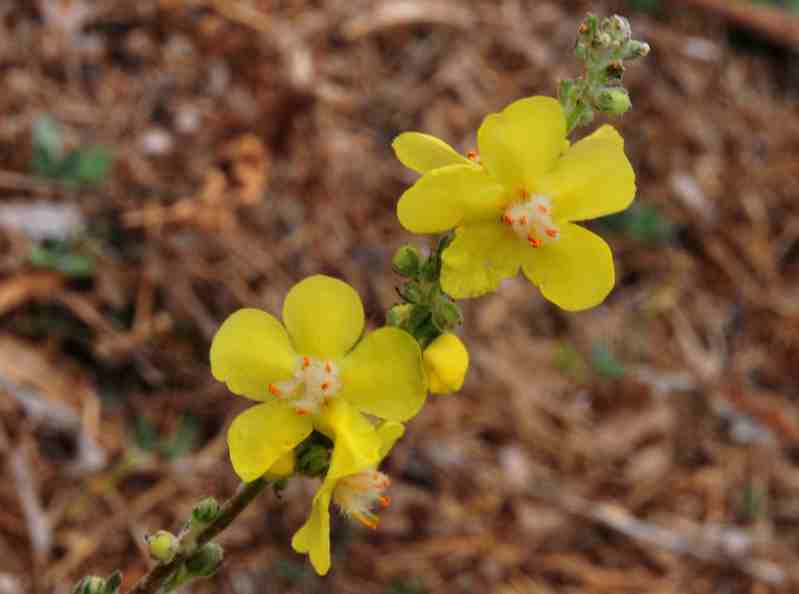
442 198
314 536
284 467
422 152
356 445
523 141
388 432
324 316
249 351
261 435
575 272
592 179
479 258
383 376
446 361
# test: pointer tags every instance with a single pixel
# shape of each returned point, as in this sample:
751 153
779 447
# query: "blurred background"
163 163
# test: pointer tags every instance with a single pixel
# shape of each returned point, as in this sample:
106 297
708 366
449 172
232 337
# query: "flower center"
358 494
314 382
531 220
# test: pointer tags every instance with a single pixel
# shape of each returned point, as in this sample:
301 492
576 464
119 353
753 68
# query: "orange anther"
507 220
533 241
325 386
524 193
273 390
301 412
551 232
524 220
384 501
366 521
306 361
472 155
543 209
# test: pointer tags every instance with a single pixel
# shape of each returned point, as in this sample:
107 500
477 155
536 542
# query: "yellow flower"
300 370
352 482
516 205
446 361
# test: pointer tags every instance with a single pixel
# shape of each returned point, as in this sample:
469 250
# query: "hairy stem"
154 580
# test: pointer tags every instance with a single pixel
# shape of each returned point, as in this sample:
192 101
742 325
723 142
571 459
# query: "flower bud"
162 546
636 49
206 560
447 315
91 584
411 292
206 510
284 467
399 314
314 460
406 261
614 101
446 361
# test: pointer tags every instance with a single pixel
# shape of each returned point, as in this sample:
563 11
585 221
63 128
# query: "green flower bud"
447 316
636 49
406 261
113 582
313 460
162 546
399 314
91 584
205 511
614 101
205 561
618 28
411 292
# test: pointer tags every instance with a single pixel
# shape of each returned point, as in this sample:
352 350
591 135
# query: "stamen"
472 155
384 501
314 382
531 219
366 520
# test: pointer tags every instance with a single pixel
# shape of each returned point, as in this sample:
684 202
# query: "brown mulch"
252 148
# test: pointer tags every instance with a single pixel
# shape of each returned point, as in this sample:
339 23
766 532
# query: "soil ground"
650 445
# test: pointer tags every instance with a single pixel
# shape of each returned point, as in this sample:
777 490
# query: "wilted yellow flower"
515 205
352 482
299 370
446 361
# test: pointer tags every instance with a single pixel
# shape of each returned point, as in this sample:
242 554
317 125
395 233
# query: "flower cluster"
331 402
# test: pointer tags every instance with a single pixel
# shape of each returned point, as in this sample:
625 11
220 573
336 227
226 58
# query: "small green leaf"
48 147
64 257
145 434
86 166
604 362
113 582
183 440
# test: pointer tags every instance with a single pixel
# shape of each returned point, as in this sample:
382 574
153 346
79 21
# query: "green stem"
154 580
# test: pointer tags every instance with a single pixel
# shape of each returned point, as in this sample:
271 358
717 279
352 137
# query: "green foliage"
790 5
641 222
69 257
83 166
604 362
413 585
570 361
173 446
650 6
